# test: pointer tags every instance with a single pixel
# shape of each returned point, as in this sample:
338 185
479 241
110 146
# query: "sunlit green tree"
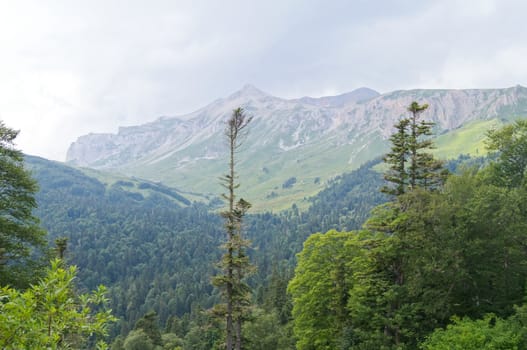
320 290
49 315
510 145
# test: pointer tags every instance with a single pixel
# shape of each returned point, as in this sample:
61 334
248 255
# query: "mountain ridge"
309 139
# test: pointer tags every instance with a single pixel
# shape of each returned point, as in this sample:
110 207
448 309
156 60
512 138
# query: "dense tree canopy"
510 144
321 289
488 333
22 241
50 316
422 258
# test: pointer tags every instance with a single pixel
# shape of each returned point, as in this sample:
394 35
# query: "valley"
136 225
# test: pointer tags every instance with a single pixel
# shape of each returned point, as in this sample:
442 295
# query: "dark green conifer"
235 262
397 159
410 165
20 234
148 323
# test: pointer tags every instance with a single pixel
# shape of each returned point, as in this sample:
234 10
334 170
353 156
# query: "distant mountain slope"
155 252
304 141
56 177
132 241
359 95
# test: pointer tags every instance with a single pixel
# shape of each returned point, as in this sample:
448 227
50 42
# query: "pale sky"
68 68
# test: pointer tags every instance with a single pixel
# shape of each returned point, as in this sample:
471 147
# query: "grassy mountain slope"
468 139
311 140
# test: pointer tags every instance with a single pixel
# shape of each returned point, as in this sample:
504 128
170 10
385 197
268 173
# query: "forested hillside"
434 268
263 175
156 251
418 256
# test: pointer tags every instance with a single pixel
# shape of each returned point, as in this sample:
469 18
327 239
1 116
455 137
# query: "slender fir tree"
410 167
397 159
235 263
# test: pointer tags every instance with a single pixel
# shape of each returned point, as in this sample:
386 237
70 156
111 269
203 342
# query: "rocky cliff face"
306 136
167 136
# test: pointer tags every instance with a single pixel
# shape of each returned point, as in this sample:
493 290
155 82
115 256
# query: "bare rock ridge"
358 95
449 108
132 143
309 136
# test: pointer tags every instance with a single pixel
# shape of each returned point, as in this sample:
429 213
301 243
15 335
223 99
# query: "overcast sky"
68 68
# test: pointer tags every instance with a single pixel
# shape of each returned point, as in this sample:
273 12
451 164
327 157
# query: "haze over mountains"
308 139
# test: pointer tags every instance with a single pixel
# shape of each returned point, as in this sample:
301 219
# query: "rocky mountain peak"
309 138
249 91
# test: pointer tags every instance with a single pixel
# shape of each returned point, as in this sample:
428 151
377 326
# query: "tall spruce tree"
411 170
22 241
410 165
235 263
397 159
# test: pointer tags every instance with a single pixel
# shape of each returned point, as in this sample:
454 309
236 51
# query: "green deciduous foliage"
510 144
488 333
205 333
148 323
22 241
138 340
465 334
457 252
399 290
49 315
425 257
490 224
172 342
264 331
320 290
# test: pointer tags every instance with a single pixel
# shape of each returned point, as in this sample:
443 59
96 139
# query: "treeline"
440 257
451 256
39 307
155 254
152 253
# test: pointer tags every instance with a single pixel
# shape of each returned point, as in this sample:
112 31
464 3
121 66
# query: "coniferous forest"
405 252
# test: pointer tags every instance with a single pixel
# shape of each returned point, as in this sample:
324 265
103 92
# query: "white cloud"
499 69
72 67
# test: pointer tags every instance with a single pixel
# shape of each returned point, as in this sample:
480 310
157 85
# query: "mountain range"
294 145
134 214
